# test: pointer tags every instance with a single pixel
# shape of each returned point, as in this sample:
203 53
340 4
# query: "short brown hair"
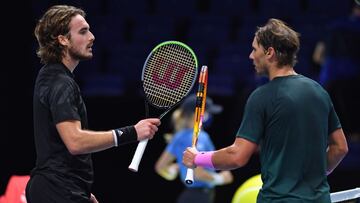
282 38
53 23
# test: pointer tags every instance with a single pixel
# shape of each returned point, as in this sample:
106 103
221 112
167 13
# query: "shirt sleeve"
62 101
252 125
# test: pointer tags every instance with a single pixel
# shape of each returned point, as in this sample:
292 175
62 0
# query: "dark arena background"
219 31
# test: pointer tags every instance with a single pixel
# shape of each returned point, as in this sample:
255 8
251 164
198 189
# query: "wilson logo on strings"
172 76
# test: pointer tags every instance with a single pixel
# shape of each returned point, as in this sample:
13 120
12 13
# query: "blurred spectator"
169 163
338 54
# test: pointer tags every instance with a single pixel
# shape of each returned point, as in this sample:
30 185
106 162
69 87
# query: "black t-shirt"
57 98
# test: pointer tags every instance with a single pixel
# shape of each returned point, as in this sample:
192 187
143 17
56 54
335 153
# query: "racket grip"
134 165
189 179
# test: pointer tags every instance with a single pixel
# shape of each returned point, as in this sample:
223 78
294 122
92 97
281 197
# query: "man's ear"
63 40
270 52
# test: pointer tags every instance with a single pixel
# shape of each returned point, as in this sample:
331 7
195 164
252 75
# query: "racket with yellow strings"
199 116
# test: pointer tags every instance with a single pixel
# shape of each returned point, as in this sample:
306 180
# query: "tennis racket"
199 116
168 75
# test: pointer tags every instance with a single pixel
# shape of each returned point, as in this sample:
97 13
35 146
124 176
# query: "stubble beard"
262 71
79 56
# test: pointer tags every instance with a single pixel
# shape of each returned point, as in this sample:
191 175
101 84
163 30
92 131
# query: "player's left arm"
337 149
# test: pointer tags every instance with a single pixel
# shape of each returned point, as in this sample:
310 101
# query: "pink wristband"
204 159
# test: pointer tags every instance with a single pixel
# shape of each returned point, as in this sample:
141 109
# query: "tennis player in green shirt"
291 119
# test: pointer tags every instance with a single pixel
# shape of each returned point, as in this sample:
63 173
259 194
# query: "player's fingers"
187 162
188 158
193 150
154 128
154 121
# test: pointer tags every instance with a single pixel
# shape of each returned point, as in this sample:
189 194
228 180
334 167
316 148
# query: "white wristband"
115 138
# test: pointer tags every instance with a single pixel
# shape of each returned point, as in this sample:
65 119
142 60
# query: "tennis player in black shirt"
63 171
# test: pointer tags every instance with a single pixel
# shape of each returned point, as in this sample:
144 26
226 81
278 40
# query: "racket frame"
198 116
134 165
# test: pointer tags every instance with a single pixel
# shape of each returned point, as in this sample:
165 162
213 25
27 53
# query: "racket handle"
189 179
134 165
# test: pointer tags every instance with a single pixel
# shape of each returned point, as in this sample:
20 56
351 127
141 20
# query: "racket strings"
177 54
175 69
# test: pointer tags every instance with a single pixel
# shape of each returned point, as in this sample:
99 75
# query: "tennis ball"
248 191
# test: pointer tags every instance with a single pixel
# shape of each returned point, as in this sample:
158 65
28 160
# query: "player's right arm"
228 158
235 155
80 141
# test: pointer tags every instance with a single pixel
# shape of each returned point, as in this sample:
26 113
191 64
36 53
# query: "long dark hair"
53 23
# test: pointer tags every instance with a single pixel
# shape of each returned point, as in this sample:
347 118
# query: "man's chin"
261 73
85 58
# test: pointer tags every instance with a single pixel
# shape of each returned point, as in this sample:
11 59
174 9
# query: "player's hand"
93 199
189 157
146 128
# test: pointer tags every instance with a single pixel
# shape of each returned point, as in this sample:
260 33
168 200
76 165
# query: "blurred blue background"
219 31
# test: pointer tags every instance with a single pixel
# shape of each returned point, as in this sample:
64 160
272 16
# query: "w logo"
169 74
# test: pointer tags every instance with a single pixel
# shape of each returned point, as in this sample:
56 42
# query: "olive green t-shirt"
291 118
